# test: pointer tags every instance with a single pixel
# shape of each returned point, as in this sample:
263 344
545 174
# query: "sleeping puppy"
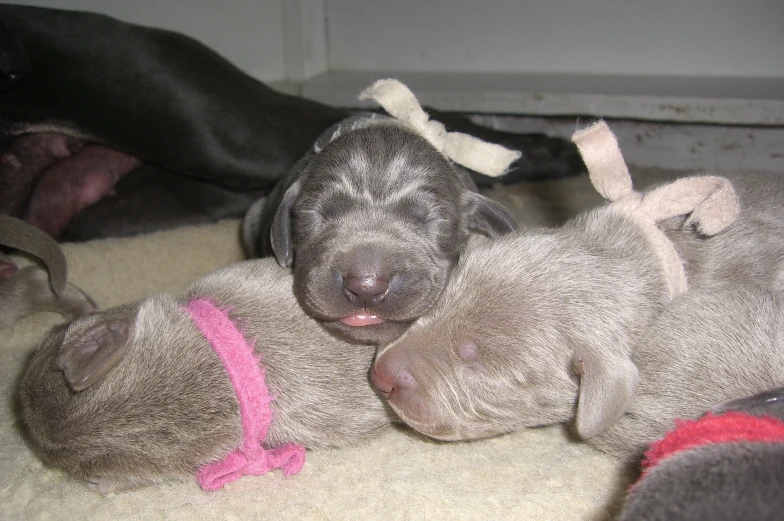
725 466
578 323
372 220
138 394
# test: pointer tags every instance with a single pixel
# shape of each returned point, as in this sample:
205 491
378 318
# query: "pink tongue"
361 320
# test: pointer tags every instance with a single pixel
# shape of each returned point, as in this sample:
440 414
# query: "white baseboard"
726 101
686 147
733 125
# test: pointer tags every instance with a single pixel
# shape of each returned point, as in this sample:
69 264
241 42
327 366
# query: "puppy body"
544 326
372 219
155 401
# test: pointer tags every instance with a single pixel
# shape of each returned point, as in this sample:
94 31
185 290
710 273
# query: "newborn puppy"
372 220
720 467
548 325
136 394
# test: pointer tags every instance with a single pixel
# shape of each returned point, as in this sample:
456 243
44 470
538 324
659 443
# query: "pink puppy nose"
379 382
389 374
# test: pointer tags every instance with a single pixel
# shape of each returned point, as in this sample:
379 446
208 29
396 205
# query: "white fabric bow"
710 200
471 152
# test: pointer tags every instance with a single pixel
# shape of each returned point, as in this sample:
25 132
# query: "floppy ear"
487 216
86 359
251 228
280 235
607 387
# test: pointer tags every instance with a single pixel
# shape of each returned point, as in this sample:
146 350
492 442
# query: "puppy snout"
389 376
383 385
366 289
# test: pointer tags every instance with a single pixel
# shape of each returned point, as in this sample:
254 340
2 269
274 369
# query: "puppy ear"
487 216
607 387
86 359
251 228
280 235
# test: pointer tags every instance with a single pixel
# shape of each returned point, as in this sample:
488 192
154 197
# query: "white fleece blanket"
536 474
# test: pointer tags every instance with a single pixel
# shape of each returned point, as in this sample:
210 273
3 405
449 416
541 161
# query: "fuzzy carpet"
537 474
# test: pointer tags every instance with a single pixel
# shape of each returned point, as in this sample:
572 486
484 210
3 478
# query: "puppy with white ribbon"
710 200
471 152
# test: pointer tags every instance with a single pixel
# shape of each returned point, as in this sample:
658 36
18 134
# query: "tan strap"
486 158
23 236
710 201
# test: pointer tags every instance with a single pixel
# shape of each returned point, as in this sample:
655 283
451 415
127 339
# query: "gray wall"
739 38
286 40
247 32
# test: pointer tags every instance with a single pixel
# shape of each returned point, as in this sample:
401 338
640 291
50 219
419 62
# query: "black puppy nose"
366 290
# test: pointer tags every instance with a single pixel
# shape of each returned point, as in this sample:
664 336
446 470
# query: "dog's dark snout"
366 290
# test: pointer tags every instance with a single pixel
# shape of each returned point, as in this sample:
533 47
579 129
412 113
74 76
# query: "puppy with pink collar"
229 379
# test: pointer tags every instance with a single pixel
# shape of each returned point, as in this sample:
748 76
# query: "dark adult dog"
131 94
372 219
87 99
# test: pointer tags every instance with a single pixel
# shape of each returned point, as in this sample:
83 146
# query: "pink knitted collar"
247 377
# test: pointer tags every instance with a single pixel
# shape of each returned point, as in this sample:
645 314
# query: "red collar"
724 428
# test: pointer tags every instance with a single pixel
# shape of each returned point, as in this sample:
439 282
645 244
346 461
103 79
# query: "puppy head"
128 397
480 362
374 226
502 350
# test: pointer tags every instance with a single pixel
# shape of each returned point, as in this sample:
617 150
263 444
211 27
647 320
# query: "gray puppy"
549 325
712 470
135 395
373 220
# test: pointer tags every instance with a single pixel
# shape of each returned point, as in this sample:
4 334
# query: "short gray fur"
547 326
135 395
375 201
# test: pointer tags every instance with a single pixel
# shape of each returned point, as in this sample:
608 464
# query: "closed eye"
420 212
334 207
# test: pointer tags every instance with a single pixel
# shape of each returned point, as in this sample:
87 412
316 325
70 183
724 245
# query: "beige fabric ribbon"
710 200
471 152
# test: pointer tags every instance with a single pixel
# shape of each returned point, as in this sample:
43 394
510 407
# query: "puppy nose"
390 374
383 385
366 290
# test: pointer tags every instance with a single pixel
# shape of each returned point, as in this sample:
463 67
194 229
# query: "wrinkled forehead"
381 161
